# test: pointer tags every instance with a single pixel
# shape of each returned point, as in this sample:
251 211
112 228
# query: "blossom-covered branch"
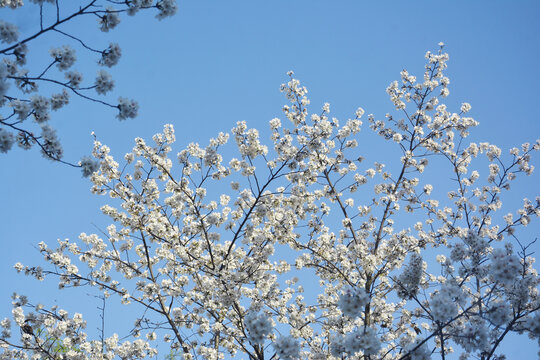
25 107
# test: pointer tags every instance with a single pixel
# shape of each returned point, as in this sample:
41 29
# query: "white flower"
4 84
166 8
287 348
128 108
258 327
532 324
473 337
6 140
40 106
337 346
8 32
13 4
499 313
51 144
352 302
64 57
444 302
504 268
88 166
104 82
465 107
111 55
409 280
421 352
18 315
109 21
59 100
74 78
20 108
364 340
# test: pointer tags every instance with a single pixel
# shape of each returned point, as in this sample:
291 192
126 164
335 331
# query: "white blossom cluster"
473 337
8 32
409 281
352 302
258 327
504 267
109 20
364 340
419 350
444 303
287 348
64 57
13 4
191 254
20 95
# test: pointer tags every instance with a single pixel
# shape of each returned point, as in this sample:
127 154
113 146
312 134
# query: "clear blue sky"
218 62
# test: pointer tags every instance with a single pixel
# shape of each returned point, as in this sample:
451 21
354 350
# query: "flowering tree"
17 83
221 274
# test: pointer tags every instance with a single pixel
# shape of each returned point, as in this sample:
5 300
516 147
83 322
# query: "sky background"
219 62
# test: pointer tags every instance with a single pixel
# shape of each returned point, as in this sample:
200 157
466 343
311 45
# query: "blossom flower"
421 352
20 108
166 8
59 100
444 302
8 32
51 144
104 82
409 280
504 267
473 337
352 302
111 55
40 108
74 78
128 108
64 57
6 140
4 84
109 20
476 243
465 107
13 4
88 166
258 327
364 340
337 346
499 313
287 348
532 324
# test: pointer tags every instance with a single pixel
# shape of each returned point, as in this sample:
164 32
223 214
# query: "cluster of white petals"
505 267
364 340
409 280
258 327
287 348
352 302
8 32
63 56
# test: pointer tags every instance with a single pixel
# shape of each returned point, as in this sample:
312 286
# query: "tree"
17 82
214 271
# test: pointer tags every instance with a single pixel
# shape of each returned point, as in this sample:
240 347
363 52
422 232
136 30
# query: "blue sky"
219 62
